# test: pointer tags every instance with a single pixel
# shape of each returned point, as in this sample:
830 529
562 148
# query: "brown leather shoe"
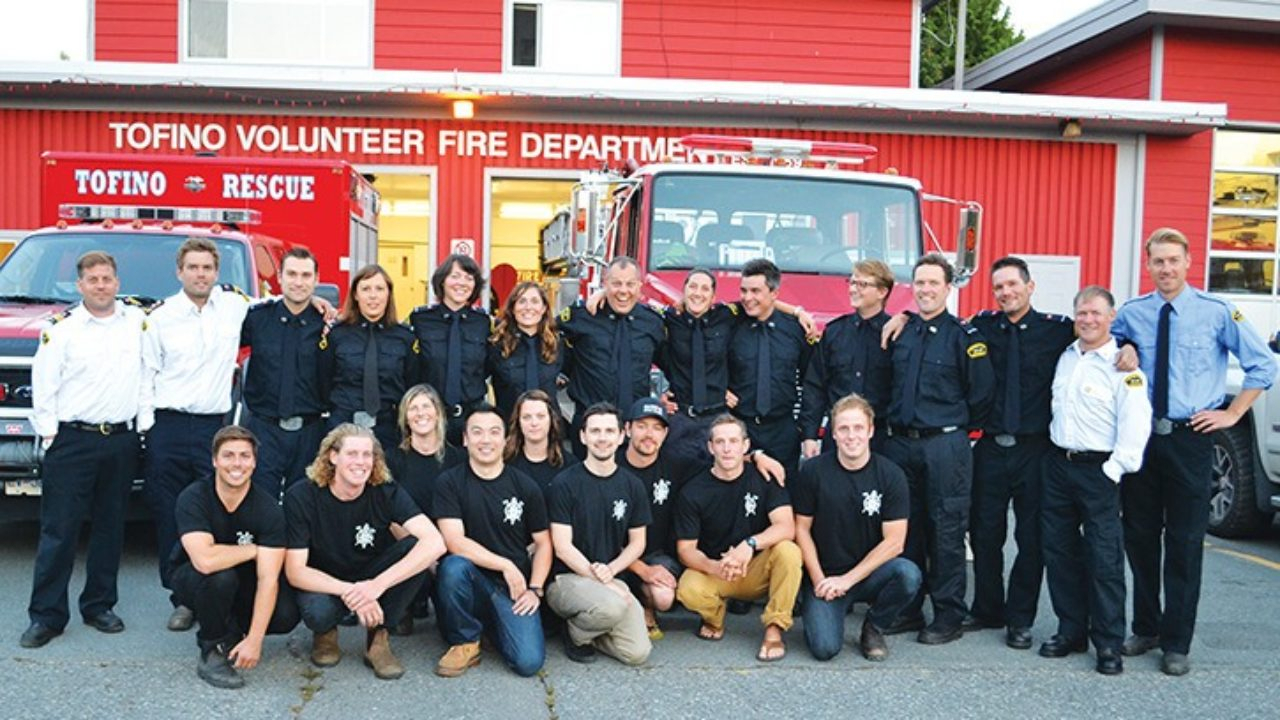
459 659
377 655
324 649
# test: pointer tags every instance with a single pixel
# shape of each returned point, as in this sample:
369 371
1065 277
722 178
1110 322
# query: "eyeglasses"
864 284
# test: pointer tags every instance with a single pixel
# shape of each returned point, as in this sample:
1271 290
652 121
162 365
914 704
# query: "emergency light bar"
226 216
839 153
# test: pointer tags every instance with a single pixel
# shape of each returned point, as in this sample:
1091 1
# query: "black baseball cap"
646 408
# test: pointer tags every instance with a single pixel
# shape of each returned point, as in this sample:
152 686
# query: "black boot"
215 669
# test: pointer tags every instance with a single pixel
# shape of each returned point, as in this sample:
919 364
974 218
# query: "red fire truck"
141 208
801 204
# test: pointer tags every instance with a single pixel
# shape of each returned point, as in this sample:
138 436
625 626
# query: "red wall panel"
135 30
1040 196
1240 69
1177 190
438 35
1122 71
813 41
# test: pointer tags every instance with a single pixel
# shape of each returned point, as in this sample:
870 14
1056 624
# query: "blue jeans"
889 589
469 602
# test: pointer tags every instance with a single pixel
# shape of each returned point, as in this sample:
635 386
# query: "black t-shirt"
848 507
345 537
543 473
501 514
720 514
419 474
601 510
258 519
662 482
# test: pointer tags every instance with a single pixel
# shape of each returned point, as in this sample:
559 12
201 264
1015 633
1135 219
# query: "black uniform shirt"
848 359
953 384
789 353
720 514
432 325
508 373
662 481
342 367
419 474
345 537
543 472
717 325
849 506
594 366
1041 339
601 510
285 351
258 520
501 514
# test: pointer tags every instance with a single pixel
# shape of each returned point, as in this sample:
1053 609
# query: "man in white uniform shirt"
85 382
1101 420
189 357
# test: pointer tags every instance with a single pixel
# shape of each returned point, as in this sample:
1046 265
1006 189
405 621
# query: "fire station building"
475 118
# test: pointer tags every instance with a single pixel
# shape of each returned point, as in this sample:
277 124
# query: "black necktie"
453 362
914 361
764 372
531 362
1013 383
868 341
371 397
699 367
288 368
1160 385
622 355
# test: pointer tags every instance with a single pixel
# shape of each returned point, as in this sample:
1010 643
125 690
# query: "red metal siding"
1122 71
1177 192
438 35
1041 197
135 30
1241 69
813 41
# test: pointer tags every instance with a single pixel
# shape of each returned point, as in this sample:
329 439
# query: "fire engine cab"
802 204
140 209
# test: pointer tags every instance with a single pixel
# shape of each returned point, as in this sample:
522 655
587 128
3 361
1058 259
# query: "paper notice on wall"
462 246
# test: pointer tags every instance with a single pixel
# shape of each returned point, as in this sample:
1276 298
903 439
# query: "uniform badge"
564 314
749 502
364 536
661 490
977 350
1133 380
324 341
619 509
512 510
1237 315
871 502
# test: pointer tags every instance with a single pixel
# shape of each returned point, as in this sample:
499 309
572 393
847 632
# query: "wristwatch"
751 543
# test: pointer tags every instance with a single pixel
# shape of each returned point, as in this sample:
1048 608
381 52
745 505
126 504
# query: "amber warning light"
803 151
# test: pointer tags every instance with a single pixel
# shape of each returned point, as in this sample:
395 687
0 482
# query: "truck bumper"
20 456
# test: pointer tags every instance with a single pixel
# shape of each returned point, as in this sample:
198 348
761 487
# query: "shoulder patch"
977 350
565 313
324 342
228 287
1134 380
417 347
1237 315
44 337
733 308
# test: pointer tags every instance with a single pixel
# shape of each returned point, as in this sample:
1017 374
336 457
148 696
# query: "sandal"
710 634
768 648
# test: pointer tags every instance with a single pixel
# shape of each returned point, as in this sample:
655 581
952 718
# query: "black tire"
1233 509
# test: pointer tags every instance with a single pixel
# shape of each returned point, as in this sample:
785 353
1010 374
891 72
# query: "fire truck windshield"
803 224
43 266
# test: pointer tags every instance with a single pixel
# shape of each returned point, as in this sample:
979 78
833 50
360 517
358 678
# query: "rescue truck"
802 204
140 208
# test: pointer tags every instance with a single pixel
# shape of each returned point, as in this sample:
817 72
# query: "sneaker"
216 669
181 619
459 659
324 649
378 656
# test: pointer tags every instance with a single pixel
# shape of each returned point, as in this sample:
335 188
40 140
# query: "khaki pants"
775 572
595 613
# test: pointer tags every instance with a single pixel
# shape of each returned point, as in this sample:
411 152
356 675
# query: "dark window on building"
524 35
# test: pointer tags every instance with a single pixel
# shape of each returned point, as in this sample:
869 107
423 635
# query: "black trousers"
779 438
1085 571
322 612
283 455
1168 497
1001 475
686 442
223 602
179 452
939 471
86 475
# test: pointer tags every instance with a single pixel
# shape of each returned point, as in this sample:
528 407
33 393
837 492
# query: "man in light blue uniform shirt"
1182 336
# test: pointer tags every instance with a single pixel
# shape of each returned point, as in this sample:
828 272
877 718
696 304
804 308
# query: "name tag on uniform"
364 419
291 424
1164 426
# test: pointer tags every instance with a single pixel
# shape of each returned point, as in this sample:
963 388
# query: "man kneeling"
851 523
730 513
489 514
357 544
227 563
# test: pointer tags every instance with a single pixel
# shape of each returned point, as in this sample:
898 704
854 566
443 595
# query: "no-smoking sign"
463 246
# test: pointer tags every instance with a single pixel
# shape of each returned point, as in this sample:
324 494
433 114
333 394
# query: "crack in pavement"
545 678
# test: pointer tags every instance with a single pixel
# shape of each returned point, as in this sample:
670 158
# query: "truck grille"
15 387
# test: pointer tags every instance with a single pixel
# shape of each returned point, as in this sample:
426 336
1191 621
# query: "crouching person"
227 564
489 514
357 545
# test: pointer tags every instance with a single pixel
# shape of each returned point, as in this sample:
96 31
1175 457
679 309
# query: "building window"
310 32
1244 213
580 37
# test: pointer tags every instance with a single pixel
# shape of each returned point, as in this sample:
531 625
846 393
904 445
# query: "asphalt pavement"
148 672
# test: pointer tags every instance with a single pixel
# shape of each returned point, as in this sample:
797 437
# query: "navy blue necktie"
622 354
764 373
453 362
288 367
371 396
531 362
1013 383
699 367
1160 384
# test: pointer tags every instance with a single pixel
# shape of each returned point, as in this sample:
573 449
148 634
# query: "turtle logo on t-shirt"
244 537
619 509
749 502
364 536
661 490
512 510
871 502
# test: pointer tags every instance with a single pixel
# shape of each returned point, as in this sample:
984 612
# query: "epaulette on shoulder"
155 306
59 317
133 301
1062 319
987 314
1138 298
969 328
231 288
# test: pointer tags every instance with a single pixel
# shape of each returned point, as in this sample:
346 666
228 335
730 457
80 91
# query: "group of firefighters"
372 478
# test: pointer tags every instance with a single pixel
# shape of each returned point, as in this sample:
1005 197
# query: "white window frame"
184 54
508 8
1261 213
